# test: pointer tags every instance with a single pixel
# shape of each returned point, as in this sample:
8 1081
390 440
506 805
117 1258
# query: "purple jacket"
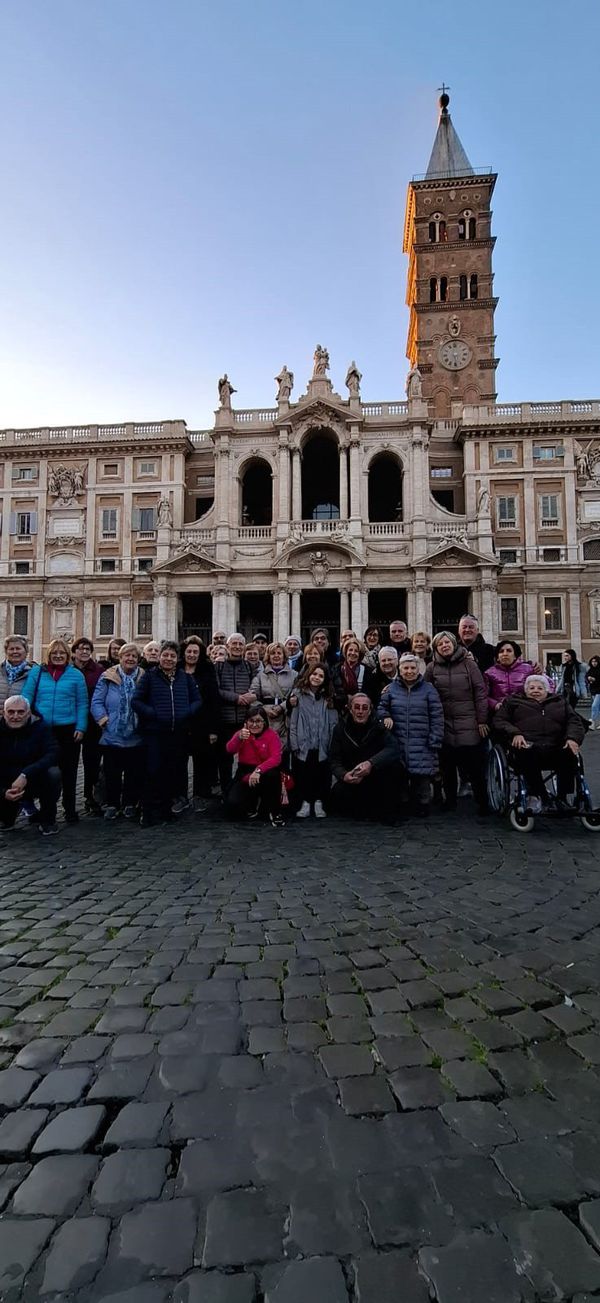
501 683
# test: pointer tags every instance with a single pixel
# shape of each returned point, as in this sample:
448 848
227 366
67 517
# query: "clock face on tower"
454 354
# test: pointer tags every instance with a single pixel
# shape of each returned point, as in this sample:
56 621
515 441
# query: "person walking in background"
593 684
57 692
312 721
454 673
82 654
572 683
121 742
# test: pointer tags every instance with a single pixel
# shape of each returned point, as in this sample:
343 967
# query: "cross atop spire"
448 157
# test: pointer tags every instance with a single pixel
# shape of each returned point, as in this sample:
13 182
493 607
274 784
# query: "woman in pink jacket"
256 788
508 673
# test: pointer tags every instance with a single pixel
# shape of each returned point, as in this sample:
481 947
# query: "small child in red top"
256 787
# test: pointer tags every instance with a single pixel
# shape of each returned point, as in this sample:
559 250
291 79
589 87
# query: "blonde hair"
129 647
273 647
348 642
54 645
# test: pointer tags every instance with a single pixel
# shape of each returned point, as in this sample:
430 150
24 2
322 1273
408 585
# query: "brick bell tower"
447 236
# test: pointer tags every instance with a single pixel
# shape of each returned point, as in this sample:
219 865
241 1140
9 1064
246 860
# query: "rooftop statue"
353 379
321 362
226 389
285 380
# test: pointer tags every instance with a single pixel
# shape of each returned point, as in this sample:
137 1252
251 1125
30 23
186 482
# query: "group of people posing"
276 730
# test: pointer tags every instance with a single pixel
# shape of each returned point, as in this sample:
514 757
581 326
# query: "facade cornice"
453 182
429 246
456 305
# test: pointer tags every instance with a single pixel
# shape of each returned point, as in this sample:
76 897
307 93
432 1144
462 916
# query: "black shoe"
48 829
71 816
92 806
276 821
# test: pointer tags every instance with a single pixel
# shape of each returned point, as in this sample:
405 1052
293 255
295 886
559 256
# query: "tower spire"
448 158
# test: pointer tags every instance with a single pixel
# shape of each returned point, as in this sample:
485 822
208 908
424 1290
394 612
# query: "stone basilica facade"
327 509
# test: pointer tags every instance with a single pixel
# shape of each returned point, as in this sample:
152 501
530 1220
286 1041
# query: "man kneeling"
28 765
543 732
364 759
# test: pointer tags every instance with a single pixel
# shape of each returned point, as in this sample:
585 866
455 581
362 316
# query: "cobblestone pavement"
324 1062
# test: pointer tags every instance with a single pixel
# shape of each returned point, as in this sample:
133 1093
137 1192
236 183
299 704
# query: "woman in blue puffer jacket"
121 743
164 701
412 708
57 692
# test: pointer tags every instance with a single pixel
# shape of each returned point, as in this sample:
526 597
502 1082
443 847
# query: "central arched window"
321 478
468 287
257 494
437 229
385 488
438 289
467 225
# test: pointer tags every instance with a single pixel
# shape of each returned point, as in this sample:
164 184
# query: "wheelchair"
508 795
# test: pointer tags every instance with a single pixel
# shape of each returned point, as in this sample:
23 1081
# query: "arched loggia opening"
385 488
257 494
321 478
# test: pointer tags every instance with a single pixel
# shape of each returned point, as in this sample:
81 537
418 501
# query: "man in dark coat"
470 638
544 732
28 765
399 638
365 764
234 677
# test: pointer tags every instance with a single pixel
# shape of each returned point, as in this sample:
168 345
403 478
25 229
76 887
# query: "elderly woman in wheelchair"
542 735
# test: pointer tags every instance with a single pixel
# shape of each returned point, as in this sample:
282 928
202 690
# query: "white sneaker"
319 811
304 811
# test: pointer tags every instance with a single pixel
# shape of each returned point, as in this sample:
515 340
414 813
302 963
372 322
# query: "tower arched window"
437 229
467 226
438 289
468 288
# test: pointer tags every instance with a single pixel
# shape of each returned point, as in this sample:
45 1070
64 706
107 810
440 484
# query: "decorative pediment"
317 414
192 560
335 549
453 555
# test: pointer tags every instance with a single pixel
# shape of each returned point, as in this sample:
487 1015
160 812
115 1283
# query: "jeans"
46 787
596 708
164 752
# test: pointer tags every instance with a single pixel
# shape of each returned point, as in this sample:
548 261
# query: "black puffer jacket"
165 705
548 723
29 750
464 696
233 680
484 652
352 744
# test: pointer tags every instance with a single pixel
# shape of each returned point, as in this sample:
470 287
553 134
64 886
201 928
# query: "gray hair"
408 658
388 651
17 700
535 678
16 637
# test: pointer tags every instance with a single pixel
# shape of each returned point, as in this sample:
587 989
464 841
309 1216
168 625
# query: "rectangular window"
145 562
507 556
108 566
144 619
20 619
143 519
547 453
21 567
441 472
25 473
507 512
109 522
148 468
106 620
549 517
553 620
504 454
551 554
509 614
23 524
110 468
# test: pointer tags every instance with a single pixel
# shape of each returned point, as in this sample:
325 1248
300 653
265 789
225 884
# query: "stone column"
162 617
343 483
345 609
281 614
295 629
284 479
296 485
125 619
355 503
411 610
219 610
488 618
423 613
38 628
233 607
532 642
575 621
357 612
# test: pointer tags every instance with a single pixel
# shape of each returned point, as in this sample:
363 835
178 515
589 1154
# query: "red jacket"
264 750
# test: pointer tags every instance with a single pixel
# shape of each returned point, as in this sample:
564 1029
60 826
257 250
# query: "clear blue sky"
193 187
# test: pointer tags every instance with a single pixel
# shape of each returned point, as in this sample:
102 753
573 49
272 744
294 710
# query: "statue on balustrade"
353 379
165 515
414 384
226 389
321 362
285 380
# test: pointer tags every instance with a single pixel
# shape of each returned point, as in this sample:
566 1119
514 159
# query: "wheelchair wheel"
591 820
521 821
498 781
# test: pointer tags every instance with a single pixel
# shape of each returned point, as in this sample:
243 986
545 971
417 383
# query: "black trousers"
45 788
123 775
313 778
164 756
415 788
530 763
91 753
470 763
204 755
242 799
377 797
68 760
